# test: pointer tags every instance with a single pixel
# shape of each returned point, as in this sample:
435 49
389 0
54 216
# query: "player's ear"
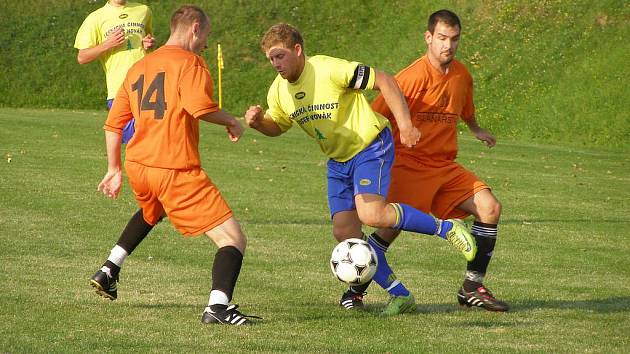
298 49
427 37
195 27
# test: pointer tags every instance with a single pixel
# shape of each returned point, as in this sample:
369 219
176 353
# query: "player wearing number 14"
169 91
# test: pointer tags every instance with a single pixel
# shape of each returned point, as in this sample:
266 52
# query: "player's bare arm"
112 181
393 96
232 125
116 38
481 133
257 119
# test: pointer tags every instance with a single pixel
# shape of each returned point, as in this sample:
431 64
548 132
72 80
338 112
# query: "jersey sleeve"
275 111
87 35
407 85
196 88
148 29
120 113
468 112
351 74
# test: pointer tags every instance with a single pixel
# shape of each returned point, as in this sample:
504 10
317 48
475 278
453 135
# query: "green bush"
546 70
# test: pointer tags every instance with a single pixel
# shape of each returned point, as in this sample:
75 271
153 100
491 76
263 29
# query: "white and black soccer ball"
353 261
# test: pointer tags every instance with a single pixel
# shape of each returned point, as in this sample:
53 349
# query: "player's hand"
235 130
111 183
116 38
148 42
410 136
254 116
486 137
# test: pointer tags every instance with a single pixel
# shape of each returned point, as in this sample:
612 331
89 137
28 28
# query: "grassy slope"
560 261
547 70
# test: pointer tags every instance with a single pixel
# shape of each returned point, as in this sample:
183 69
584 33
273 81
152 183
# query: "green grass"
549 71
561 259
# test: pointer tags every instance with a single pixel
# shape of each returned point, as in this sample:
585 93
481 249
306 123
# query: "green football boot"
461 239
400 304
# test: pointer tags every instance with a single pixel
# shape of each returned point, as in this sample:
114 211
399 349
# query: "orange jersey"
436 102
166 91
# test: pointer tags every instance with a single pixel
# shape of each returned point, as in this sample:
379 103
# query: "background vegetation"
546 70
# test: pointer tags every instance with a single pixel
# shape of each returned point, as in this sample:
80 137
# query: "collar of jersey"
111 7
308 67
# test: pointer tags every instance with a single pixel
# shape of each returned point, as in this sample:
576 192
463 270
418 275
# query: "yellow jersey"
135 19
328 104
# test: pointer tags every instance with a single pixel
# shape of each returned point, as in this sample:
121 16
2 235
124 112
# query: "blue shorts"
367 172
129 129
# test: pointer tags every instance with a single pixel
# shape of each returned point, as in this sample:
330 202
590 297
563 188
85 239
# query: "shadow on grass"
608 305
170 305
322 312
573 221
296 222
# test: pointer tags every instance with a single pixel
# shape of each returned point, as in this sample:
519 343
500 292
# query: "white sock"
474 276
118 255
218 297
107 271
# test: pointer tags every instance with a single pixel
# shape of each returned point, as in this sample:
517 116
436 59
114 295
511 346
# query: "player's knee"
239 241
490 211
228 236
242 240
372 217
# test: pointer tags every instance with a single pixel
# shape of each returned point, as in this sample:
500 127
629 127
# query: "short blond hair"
282 33
186 15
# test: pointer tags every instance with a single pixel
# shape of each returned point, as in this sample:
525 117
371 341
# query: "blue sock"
411 219
384 275
444 226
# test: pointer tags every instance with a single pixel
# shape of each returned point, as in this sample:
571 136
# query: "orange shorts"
191 201
435 190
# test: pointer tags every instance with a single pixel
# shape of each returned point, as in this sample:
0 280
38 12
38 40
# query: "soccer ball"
353 261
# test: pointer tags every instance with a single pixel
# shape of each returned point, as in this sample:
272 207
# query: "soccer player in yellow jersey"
118 35
323 95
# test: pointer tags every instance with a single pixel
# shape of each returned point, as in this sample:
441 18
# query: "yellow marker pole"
220 68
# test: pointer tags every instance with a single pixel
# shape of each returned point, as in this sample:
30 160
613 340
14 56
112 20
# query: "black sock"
380 241
360 289
486 237
225 269
135 231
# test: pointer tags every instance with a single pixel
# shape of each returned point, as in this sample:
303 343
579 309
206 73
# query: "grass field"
561 259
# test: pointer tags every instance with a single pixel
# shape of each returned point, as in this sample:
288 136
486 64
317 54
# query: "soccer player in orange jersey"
169 91
439 91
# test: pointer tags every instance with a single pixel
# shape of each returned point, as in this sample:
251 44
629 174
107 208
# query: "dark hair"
186 15
446 16
281 33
